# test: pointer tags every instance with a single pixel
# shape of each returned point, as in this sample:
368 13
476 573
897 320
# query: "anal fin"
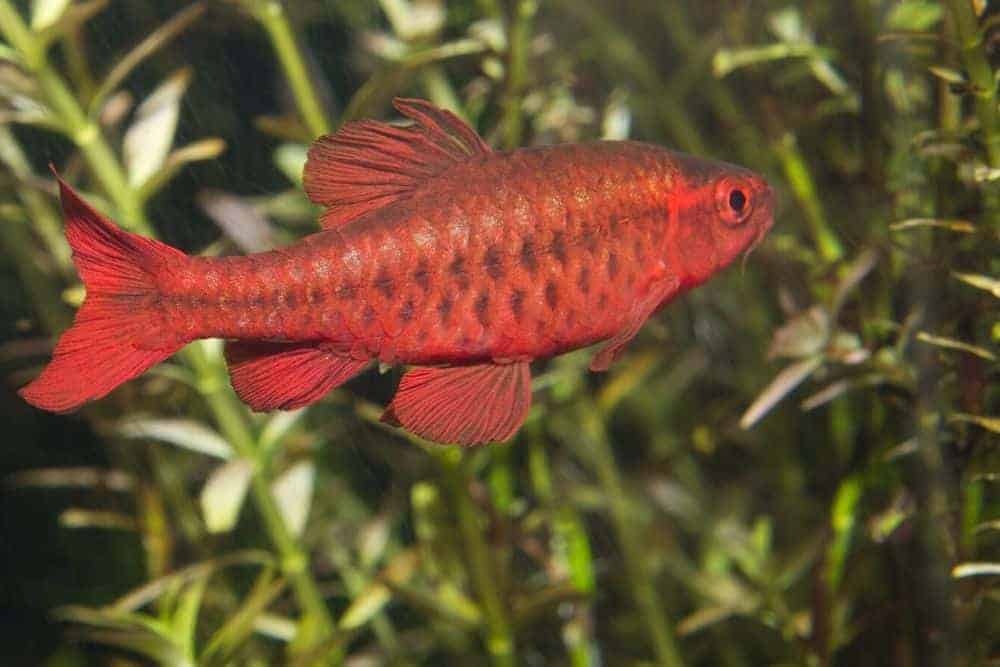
286 376
464 405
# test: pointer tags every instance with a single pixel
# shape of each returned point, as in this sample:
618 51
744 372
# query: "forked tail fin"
117 333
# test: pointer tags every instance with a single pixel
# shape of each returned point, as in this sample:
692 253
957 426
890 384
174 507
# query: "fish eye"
732 199
737 200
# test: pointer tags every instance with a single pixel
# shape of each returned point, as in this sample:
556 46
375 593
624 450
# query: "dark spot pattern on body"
559 247
368 317
517 304
482 307
422 274
552 295
583 280
291 300
612 265
528 259
493 263
385 284
406 311
444 309
457 270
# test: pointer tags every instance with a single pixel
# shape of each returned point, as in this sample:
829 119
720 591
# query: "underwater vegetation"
796 463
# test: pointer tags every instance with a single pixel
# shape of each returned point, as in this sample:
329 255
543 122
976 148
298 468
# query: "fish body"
436 252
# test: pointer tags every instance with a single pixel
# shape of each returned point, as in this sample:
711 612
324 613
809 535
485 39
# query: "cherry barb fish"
436 252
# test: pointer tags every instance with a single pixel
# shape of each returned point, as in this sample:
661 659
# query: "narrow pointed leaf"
147 142
293 493
224 493
786 381
185 433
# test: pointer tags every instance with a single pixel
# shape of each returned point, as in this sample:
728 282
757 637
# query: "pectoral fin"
608 354
464 405
286 376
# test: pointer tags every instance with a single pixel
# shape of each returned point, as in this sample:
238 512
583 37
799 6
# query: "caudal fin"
116 334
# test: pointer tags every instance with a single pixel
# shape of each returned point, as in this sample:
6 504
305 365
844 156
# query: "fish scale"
436 252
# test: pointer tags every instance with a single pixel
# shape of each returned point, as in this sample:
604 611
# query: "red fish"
437 252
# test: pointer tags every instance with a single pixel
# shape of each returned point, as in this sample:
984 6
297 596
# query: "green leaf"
843 520
783 383
914 15
991 285
185 433
223 495
148 140
989 423
975 570
293 493
948 75
46 12
277 427
952 344
290 158
365 606
960 226
240 625
185 616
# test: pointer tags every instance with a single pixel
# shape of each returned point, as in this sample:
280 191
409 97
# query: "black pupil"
737 200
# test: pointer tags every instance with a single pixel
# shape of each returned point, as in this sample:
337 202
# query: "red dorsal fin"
463 405
286 376
368 164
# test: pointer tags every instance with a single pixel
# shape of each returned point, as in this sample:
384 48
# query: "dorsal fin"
368 164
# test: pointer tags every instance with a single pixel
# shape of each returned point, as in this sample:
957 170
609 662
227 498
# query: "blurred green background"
795 464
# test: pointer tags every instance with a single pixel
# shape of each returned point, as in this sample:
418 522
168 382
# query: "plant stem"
272 15
980 74
661 634
517 71
800 178
499 639
231 418
571 548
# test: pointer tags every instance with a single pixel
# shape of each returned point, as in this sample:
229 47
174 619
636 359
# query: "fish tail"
118 332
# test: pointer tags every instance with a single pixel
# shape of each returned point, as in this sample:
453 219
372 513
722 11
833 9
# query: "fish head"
722 212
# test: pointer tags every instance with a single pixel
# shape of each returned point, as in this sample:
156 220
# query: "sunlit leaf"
290 158
185 617
991 285
46 12
915 15
989 423
293 493
365 606
84 518
952 344
947 74
975 570
223 495
703 618
148 140
786 381
185 433
961 226
112 480
198 151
